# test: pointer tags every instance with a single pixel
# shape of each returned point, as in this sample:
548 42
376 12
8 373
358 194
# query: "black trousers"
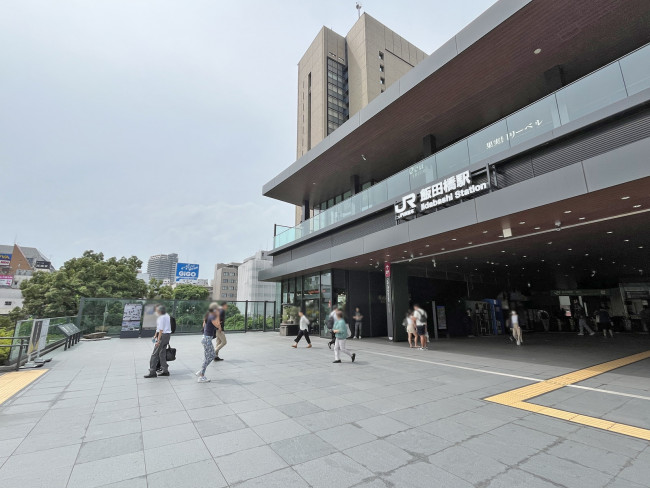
333 339
301 334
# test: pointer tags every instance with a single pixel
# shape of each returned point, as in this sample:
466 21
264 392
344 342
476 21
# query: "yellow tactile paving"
12 383
518 397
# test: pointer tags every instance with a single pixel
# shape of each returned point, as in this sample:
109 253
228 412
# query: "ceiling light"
507 232
442 248
453 238
522 222
549 242
567 211
626 240
586 254
363 157
485 232
569 249
537 51
537 228
581 218
470 242
525 256
640 247
636 206
610 232
502 251
624 198
427 245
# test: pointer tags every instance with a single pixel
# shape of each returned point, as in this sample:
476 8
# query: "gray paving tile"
248 405
346 436
282 399
202 473
155 421
164 436
422 475
219 425
229 442
563 472
106 471
45 460
52 478
419 442
329 403
116 405
180 454
589 456
334 470
284 478
277 431
8 446
379 456
104 448
210 412
304 448
113 429
638 470
265 461
468 465
264 416
516 477
299 409
382 426
42 442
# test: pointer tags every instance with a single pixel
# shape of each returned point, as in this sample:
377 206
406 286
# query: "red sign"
387 270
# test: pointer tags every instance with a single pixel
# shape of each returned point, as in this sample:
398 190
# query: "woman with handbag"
342 332
209 331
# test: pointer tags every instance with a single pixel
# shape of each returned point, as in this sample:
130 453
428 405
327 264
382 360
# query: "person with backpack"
161 340
605 321
172 321
330 325
304 331
342 331
420 317
220 337
411 332
209 332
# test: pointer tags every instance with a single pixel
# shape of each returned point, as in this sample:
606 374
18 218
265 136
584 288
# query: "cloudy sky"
138 127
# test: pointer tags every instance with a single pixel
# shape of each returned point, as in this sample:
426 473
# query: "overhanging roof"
487 71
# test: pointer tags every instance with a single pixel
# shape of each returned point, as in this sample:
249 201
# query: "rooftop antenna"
359 7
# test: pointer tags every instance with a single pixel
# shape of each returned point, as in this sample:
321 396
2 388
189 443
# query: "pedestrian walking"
420 317
605 321
358 323
209 332
342 332
221 335
645 318
161 339
411 331
304 330
545 318
516 328
581 316
330 325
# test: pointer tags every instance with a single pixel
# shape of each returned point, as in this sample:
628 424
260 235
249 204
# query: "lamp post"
105 315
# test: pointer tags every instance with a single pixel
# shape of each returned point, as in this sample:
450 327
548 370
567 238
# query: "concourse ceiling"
492 78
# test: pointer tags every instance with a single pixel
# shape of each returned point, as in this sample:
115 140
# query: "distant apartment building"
224 286
162 267
338 76
18 264
249 287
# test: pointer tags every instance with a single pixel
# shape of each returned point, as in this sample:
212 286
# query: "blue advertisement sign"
5 259
187 273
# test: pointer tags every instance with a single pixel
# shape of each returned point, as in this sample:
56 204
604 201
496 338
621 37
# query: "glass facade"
337 92
616 81
313 295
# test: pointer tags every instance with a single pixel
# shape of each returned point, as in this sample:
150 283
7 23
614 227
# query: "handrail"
22 345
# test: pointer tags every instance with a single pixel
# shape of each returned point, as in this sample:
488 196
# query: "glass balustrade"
616 81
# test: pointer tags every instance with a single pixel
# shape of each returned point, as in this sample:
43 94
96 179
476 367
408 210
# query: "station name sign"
445 191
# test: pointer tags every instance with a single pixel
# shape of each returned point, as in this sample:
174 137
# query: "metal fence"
54 337
107 315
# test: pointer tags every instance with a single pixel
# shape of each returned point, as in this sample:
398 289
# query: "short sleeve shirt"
164 324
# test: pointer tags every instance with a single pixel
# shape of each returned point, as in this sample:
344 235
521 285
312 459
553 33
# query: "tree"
189 291
165 293
58 293
153 288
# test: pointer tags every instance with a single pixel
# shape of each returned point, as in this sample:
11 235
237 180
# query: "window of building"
224 287
337 105
381 68
7 304
381 55
382 81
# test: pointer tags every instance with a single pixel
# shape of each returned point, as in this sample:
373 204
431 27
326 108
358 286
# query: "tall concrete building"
338 76
162 266
249 287
224 286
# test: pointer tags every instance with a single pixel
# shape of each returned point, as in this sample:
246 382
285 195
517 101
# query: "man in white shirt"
161 337
421 325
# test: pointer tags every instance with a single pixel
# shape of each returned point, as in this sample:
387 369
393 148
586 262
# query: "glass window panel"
538 118
636 70
311 285
366 185
452 159
339 198
347 195
347 208
423 172
330 203
398 184
587 95
377 194
489 141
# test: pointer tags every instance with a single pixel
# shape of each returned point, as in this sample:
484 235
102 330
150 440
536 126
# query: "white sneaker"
198 373
203 379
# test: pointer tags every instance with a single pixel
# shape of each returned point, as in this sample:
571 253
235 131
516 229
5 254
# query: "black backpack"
172 321
330 322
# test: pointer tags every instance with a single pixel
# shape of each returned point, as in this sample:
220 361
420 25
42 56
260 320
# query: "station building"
509 169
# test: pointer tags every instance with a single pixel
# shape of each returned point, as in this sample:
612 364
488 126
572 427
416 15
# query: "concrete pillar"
354 184
428 145
554 78
305 210
397 301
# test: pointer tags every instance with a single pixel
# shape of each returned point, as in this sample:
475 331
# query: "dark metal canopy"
493 77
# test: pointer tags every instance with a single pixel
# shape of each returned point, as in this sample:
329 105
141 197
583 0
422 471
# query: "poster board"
149 321
131 320
38 337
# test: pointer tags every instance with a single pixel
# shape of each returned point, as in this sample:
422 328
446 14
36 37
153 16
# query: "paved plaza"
278 417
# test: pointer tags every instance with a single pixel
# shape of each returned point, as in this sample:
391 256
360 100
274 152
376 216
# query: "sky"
141 127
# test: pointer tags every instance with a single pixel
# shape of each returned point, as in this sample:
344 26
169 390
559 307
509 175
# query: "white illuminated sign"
445 191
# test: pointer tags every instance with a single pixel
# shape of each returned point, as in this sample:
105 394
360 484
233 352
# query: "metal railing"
24 341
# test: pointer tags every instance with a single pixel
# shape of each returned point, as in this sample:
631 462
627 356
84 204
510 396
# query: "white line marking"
467 368
537 380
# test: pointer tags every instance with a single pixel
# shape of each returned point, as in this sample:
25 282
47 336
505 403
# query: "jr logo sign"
407 207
